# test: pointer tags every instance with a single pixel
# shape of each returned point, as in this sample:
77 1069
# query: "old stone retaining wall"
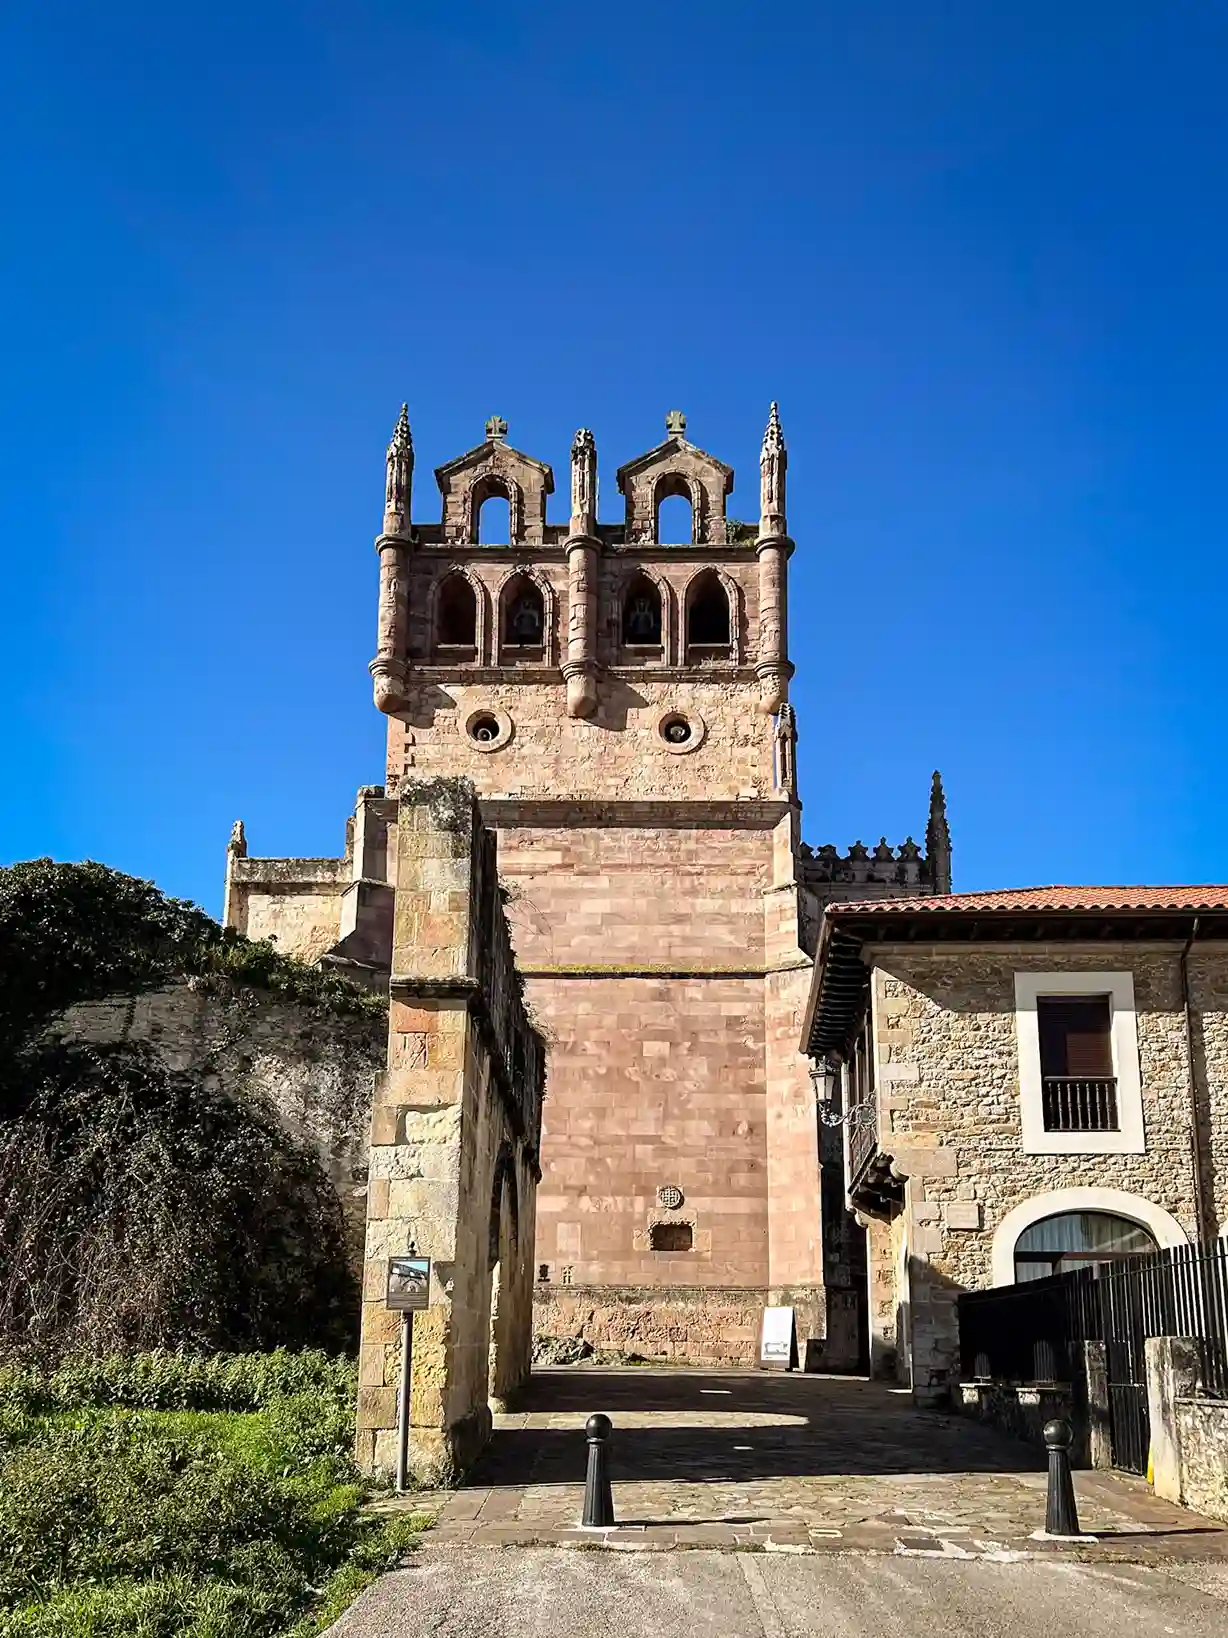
313 1067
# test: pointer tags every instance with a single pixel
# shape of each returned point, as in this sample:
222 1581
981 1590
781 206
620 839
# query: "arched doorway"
1078 1239
502 1365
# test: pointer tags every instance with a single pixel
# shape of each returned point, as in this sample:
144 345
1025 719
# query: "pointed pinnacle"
401 436
774 437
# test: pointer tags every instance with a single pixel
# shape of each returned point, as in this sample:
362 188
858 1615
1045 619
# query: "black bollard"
1061 1518
598 1497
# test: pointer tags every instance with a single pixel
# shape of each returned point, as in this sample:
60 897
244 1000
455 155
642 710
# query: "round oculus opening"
676 730
484 729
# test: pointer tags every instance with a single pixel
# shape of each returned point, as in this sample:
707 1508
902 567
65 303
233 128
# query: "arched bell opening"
709 619
642 624
522 626
456 619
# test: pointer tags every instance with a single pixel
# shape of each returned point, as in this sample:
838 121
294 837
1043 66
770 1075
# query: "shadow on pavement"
684 1431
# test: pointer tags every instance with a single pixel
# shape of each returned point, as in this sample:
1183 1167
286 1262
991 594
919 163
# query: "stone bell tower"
619 700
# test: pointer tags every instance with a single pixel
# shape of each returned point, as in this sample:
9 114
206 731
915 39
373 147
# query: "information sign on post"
776 1349
409 1284
408 1293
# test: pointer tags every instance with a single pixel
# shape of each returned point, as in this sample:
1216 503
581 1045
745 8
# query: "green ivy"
142 1207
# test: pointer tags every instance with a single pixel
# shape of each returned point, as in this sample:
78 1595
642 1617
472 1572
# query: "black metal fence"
1033 1332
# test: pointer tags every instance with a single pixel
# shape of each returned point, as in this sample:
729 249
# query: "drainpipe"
1191 1085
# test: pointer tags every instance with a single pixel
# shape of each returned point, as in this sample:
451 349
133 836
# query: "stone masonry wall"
303 924
1208 967
656 1078
684 1324
616 754
455 1129
313 1067
645 945
949 1113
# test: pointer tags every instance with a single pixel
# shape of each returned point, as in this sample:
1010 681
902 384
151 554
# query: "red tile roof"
1105 899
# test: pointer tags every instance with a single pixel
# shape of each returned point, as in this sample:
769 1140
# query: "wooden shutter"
1075 1036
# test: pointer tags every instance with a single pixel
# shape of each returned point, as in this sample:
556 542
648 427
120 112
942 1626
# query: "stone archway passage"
455 1129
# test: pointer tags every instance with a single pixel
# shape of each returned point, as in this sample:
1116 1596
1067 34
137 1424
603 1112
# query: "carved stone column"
773 548
388 667
582 547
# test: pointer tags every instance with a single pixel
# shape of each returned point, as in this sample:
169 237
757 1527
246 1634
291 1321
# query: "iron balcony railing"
1073 1104
863 1135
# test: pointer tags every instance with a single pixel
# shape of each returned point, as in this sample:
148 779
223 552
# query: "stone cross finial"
675 423
399 476
773 460
496 430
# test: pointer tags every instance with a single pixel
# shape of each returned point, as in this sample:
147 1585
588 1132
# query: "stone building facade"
968 1159
619 702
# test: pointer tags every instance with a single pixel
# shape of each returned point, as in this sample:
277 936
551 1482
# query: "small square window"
672 1237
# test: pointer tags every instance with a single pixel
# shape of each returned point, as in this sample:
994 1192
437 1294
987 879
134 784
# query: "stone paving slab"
793 1463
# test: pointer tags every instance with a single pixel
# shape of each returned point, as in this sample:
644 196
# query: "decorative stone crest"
670 1196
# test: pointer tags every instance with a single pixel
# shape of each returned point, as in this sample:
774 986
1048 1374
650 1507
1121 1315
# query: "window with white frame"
1079 1084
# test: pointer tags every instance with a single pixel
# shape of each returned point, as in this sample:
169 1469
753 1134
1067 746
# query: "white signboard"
776 1340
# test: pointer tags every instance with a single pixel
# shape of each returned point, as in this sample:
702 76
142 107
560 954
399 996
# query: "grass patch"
173 1522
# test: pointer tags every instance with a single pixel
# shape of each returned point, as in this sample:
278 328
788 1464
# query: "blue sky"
977 252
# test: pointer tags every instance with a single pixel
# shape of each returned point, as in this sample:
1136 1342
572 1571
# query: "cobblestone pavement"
789 1463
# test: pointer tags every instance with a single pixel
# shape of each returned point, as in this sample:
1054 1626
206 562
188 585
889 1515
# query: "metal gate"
1121 1313
1035 1331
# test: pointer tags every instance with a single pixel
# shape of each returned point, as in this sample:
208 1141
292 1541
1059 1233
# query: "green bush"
170 1607
176 1494
79 932
161 1380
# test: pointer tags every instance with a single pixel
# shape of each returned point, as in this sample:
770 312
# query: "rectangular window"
1079 1089
1080 1085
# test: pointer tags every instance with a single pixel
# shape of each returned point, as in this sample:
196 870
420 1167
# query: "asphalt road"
526 1592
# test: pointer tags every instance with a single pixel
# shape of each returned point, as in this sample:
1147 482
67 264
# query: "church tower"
619 700
617 692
